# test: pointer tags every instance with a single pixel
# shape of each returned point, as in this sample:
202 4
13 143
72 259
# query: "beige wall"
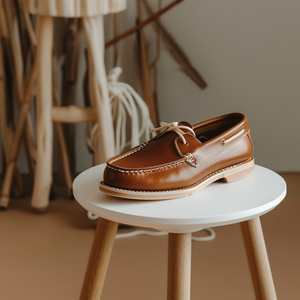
249 53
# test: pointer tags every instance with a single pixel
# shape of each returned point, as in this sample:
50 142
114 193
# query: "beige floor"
43 257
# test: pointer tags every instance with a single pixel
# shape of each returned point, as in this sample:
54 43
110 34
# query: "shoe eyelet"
185 144
223 143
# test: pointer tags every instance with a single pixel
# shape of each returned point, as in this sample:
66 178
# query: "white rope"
128 111
210 237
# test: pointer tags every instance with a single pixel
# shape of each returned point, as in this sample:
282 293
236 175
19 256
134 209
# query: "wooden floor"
43 257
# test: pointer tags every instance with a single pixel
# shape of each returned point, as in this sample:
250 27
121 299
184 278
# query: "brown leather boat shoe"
182 159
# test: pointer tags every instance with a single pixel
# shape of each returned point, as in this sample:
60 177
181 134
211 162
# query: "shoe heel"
238 175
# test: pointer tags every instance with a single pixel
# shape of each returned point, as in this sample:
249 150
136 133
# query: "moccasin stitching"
190 186
146 170
170 165
141 146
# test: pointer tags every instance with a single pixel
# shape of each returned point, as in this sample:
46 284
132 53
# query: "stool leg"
43 173
99 260
258 260
179 266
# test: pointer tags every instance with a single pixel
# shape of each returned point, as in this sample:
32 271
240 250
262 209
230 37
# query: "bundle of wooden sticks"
18 75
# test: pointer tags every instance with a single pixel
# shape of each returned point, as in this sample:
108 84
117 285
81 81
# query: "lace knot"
176 127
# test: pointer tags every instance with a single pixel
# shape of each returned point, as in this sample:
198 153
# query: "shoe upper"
182 154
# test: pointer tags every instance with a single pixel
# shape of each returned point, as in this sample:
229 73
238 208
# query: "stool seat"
218 204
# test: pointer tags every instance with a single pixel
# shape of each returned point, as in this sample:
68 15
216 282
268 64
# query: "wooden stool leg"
258 260
99 260
179 266
43 173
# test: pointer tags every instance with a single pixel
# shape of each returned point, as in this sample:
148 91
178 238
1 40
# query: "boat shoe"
182 159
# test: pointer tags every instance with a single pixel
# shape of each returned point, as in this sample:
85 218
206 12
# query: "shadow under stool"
219 204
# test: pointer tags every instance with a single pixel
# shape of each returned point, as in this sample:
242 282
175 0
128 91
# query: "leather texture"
164 163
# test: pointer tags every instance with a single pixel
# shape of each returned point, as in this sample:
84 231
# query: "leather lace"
174 127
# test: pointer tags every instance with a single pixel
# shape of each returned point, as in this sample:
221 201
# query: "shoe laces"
174 126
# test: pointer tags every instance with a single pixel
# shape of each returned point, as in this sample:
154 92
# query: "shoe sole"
228 174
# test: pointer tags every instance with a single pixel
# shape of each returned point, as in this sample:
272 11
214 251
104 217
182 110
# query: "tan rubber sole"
228 174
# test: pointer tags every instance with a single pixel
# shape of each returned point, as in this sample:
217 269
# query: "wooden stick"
99 260
43 174
28 40
4 125
30 140
258 260
17 67
87 103
29 27
98 90
6 89
73 114
24 38
60 134
117 58
176 51
153 64
145 72
179 266
69 83
142 24
86 92
3 160
65 158
16 143
6 108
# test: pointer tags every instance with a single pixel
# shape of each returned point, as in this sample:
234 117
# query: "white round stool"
218 204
